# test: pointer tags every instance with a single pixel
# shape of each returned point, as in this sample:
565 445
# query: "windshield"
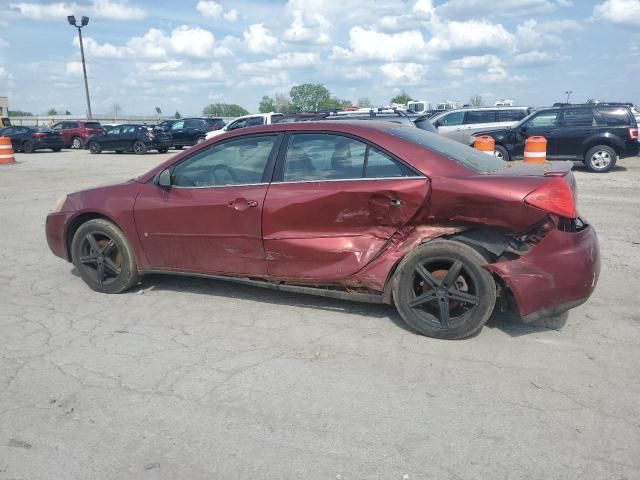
467 156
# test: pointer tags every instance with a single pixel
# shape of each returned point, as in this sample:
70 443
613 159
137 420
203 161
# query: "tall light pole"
568 94
83 23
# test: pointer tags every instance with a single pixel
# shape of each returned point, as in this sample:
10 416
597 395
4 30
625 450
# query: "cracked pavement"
199 379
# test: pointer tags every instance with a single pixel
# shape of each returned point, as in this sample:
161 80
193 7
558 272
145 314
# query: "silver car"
462 124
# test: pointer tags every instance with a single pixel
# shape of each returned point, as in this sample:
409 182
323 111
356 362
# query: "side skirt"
284 287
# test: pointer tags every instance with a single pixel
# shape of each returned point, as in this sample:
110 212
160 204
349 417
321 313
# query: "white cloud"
311 32
214 9
193 41
369 44
258 39
480 68
3 43
73 68
183 70
396 73
120 10
94 49
535 58
620 12
469 35
464 9
283 61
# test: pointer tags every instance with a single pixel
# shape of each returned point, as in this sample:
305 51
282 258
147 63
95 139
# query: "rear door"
477 121
576 126
333 205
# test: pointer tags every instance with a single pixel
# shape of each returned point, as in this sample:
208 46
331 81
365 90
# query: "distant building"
4 107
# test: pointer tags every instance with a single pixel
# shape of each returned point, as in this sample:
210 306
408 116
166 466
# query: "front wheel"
501 152
441 290
56 149
200 140
27 146
94 147
600 159
104 258
139 148
76 143
163 149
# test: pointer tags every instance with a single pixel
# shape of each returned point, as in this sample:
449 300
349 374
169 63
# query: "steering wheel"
221 174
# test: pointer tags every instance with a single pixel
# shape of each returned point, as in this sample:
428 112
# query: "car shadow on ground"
581 167
506 322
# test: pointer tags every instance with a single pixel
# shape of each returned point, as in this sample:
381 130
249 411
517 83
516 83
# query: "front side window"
544 119
255 121
238 124
57 126
451 120
237 162
480 116
324 156
113 131
177 125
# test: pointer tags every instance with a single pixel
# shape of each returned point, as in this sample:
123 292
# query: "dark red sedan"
369 211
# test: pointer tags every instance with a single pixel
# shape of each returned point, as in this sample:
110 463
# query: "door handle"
396 202
242 204
252 203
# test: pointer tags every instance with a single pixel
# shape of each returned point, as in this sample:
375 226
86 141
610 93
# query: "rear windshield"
93 125
467 156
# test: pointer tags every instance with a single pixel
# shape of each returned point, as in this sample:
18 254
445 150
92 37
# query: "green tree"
224 110
52 111
364 102
476 101
282 104
267 105
177 115
403 98
334 103
309 96
67 112
19 113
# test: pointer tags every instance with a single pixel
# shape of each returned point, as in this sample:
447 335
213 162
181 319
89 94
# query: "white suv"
246 121
462 124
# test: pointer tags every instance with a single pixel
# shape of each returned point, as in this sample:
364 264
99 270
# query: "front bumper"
56 232
559 273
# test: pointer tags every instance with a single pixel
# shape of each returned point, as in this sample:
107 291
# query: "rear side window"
193 123
480 116
456 151
316 157
611 117
511 115
252 122
216 122
578 117
71 125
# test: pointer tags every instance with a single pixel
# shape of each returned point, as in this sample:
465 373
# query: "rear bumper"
632 149
560 273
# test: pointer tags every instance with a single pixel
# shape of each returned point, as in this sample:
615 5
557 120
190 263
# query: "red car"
369 211
76 132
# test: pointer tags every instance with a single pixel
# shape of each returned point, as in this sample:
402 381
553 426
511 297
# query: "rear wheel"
601 158
27 146
501 152
94 147
441 290
104 258
56 149
139 148
76 143
163 149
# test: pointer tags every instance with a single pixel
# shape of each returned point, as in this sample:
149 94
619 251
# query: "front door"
576 125
111 138
333 205
209 220
450 125
543 124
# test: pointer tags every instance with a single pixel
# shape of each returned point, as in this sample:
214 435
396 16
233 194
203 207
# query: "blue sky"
183 55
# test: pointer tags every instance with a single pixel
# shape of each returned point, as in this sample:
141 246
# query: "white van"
246 121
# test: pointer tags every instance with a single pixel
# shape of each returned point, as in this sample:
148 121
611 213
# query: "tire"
466 299
56 149
27 146
200 140
119 151
109 255
502 152
600 159
76 143
94 147
139 148
163 149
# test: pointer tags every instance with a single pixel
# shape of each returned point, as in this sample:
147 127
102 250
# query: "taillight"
554 197
39 134
633 133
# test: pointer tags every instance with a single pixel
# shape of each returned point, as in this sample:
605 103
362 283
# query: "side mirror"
437 124
164 179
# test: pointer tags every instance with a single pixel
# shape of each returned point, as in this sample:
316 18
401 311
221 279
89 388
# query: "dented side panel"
326 231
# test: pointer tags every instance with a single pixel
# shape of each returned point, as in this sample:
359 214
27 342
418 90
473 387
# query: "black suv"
136 138
189 131
595 134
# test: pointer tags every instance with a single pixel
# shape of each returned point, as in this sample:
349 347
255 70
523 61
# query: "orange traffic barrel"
535 150
6 151
485 144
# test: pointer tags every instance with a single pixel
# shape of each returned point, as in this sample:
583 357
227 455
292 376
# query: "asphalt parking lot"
198 379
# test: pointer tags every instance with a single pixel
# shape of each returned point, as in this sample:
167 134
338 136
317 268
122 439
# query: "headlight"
59 204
